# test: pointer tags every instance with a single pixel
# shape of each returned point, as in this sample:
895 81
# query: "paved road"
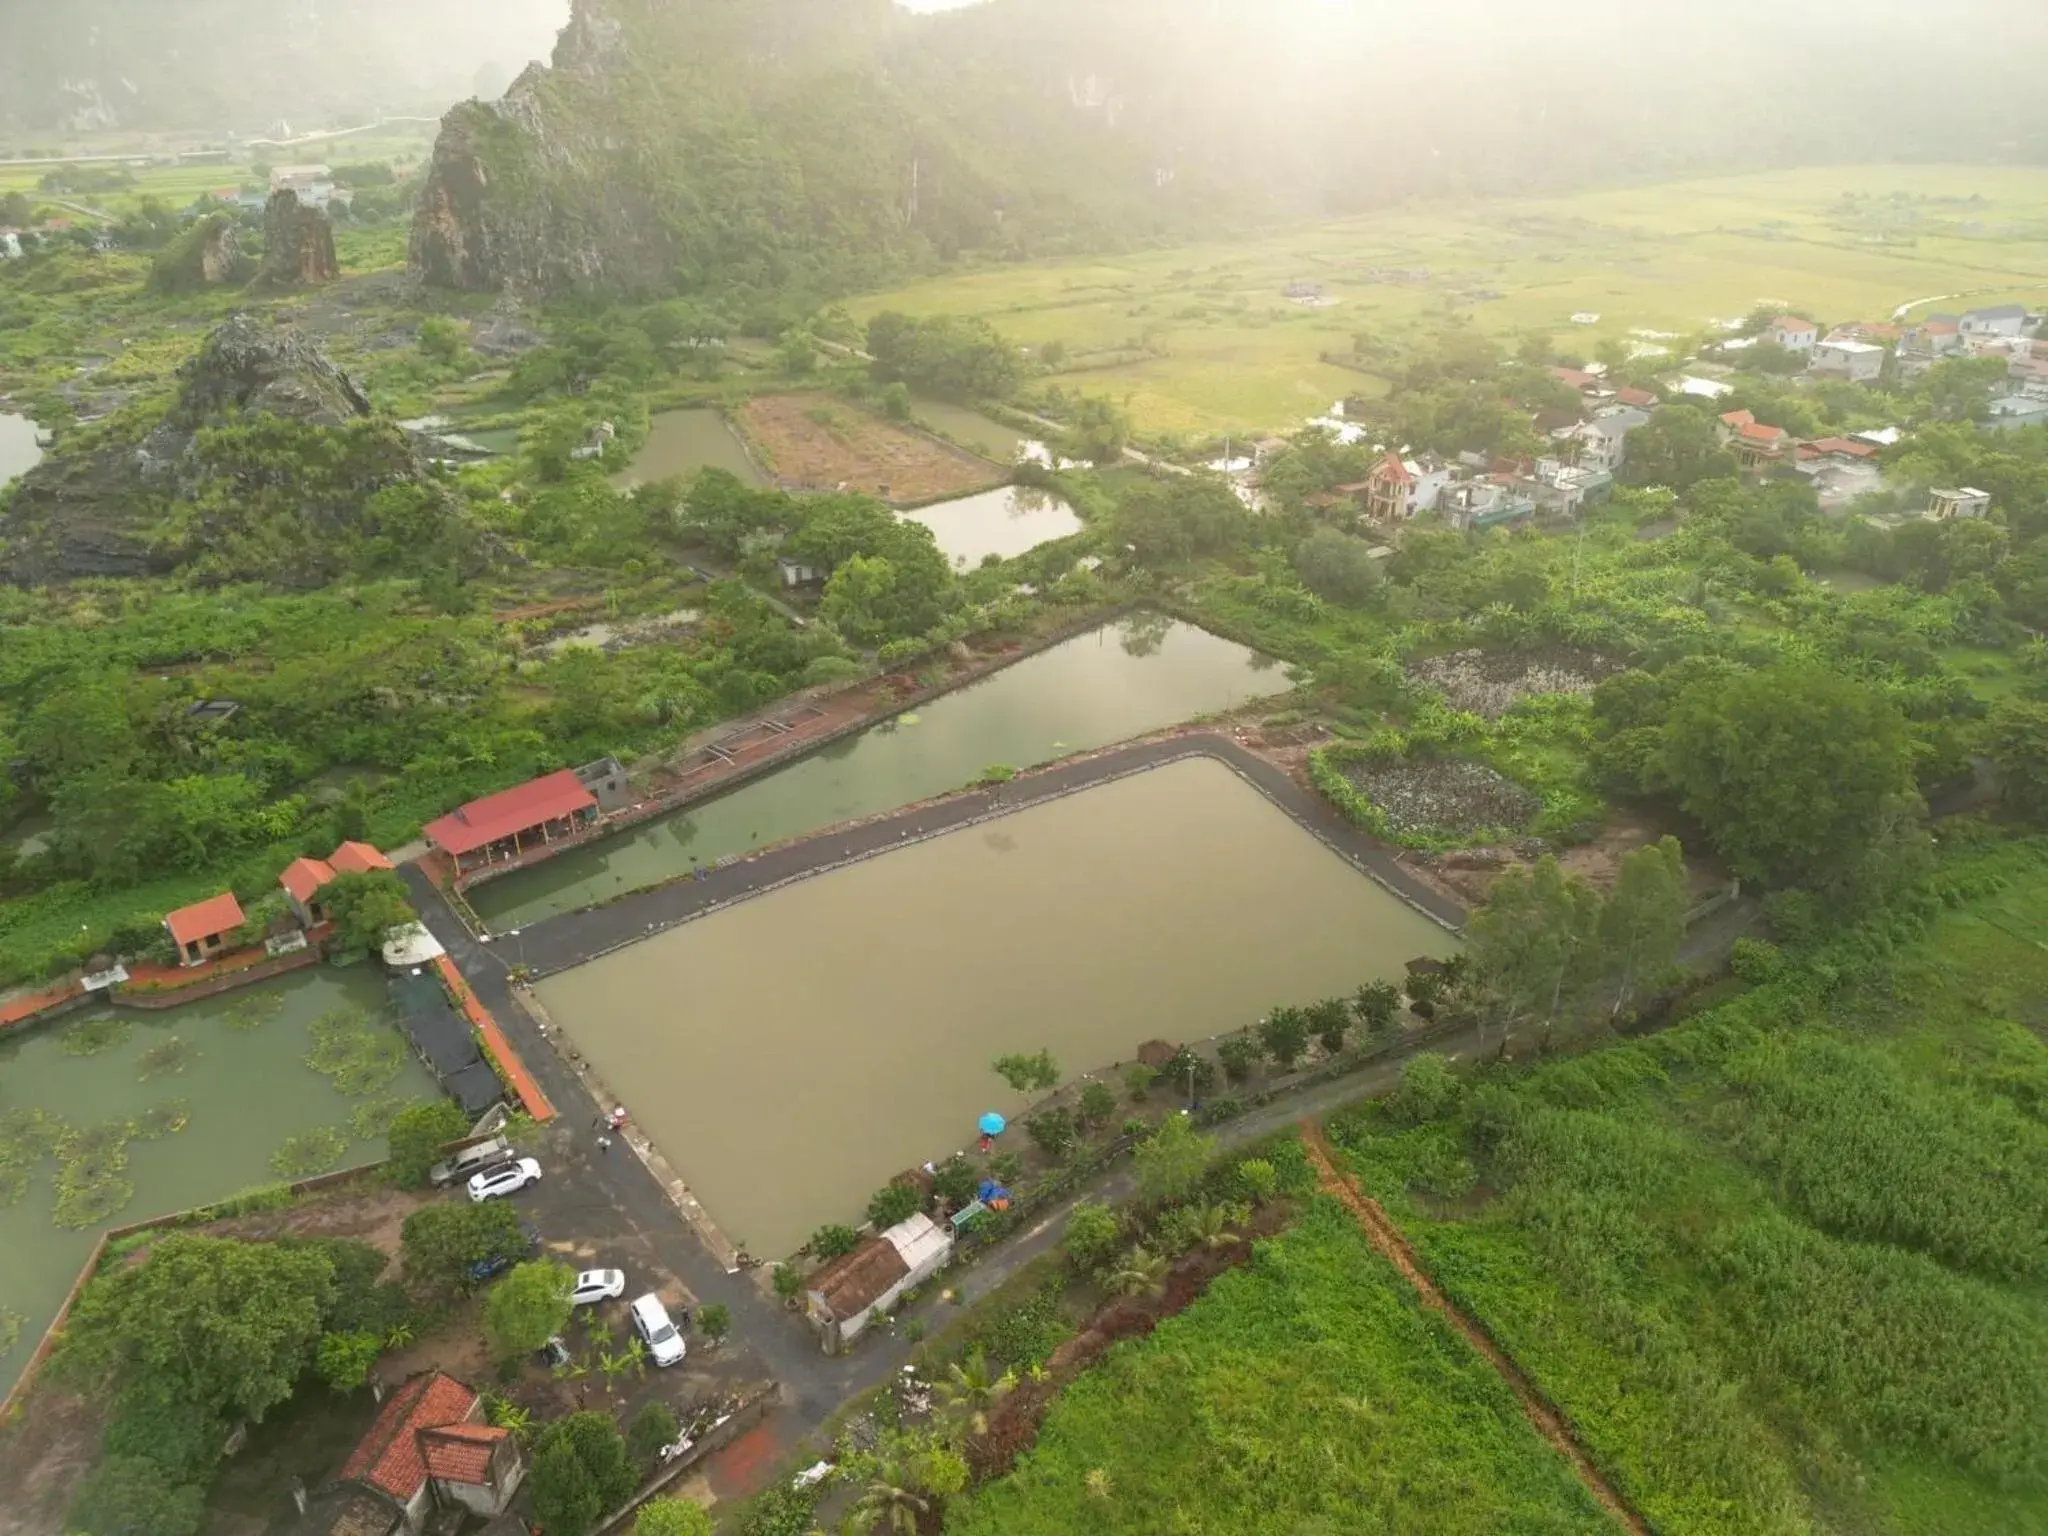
558 943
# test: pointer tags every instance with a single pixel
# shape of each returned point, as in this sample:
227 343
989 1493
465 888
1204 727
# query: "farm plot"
819 442
1490 683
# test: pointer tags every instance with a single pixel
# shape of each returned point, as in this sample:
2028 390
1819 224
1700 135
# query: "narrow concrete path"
1387 1238
574 938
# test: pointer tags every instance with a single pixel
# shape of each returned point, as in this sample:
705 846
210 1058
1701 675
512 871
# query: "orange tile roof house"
429 1448
201 930
505 825
303 879
1792 332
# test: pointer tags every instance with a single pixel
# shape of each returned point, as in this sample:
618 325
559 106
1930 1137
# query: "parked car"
477 1157
554 1353
597 1285
650 1321
508 1180
496 1264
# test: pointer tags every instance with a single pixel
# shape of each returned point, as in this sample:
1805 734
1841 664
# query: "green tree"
894 1202
1532 945
135 1496
364 907
1240 1056
1172 1160
1330 1020
344 1359
441 1243
1284 1032
1093 1235
970 1389
1790 768
443 340
797 354
1339 567
226 1327
1643 919
580 1471
528 1307
1097 1105
1098 432
1140 1272
1023 1073
418 1133
714 1320
2018 748
1379 1008
834 1240
1678 447
653 1428
672 1517
1428 1090
1053 1132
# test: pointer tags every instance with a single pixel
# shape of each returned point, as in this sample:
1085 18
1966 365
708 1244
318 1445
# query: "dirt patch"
1490 683
1393 1247
50 1445
822 443
1443 796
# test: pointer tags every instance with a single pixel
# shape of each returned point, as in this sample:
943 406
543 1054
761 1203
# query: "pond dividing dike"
554 944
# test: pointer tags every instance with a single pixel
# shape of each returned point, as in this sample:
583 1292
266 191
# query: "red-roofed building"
1575 378
1836 448
303 880
429 1447
1755 443
1641 399
511 822
1792 332
201 930
357 859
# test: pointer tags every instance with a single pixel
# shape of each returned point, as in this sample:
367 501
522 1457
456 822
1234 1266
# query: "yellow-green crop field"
1201 338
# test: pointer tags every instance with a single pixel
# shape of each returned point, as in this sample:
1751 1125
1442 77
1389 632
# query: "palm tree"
891 1501
1210 1227
1142 1273
971 1389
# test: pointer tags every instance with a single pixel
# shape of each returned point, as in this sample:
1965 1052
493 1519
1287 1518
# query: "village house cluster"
1587 451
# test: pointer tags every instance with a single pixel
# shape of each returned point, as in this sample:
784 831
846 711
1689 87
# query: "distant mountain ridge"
697 143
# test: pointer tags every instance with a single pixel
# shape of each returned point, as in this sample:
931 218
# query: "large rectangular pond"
1099 688
685 442
243 1091
791 1053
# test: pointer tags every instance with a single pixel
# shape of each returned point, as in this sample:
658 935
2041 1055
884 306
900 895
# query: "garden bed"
822 442
1490 683
1433 799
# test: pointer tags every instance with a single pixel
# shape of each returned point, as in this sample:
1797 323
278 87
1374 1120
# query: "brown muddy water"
790 1054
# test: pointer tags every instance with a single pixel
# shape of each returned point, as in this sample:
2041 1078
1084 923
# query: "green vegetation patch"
355 1055
253 1010
372 1118
160 1120
89 1037
1308 1392
1782 1263
166 1057
309 1152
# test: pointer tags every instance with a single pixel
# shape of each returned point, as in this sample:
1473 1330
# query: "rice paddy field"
1202 338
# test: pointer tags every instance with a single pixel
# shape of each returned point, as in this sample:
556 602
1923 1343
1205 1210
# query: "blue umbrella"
992 1124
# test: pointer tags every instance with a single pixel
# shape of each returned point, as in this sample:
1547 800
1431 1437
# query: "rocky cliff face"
134 506
208 255
298 245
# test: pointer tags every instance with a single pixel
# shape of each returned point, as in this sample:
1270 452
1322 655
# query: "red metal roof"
1842 445
1390 470
1628 396
357 859
1572 378
1793 323
204 919
496 817
1738 418
1757 432
302 878
389 1458
460 1453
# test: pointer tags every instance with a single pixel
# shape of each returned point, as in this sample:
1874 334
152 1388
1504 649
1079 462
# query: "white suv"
504 1181
650 1321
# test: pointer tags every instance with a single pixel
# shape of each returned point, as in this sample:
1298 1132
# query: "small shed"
851 1291
201 930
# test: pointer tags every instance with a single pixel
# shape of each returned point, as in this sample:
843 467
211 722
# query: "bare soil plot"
823 443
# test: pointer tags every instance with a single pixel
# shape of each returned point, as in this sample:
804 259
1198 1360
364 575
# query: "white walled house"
1859 362
1998 320
1793 333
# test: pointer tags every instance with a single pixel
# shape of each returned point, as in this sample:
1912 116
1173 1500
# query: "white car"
597 1285
650 1321
504 1181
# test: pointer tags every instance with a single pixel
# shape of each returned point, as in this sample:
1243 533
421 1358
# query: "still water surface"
792 1053
20 448
1009 521
1103 687
245 1091
684 442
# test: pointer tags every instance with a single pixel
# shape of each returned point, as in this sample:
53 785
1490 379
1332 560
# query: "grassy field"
1201 338
1784 1265
1306 1394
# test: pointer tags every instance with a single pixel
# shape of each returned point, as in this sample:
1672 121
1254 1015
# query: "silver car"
508 1180
651 1322
597 1285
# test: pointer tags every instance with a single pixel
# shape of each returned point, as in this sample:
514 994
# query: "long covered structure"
504 827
